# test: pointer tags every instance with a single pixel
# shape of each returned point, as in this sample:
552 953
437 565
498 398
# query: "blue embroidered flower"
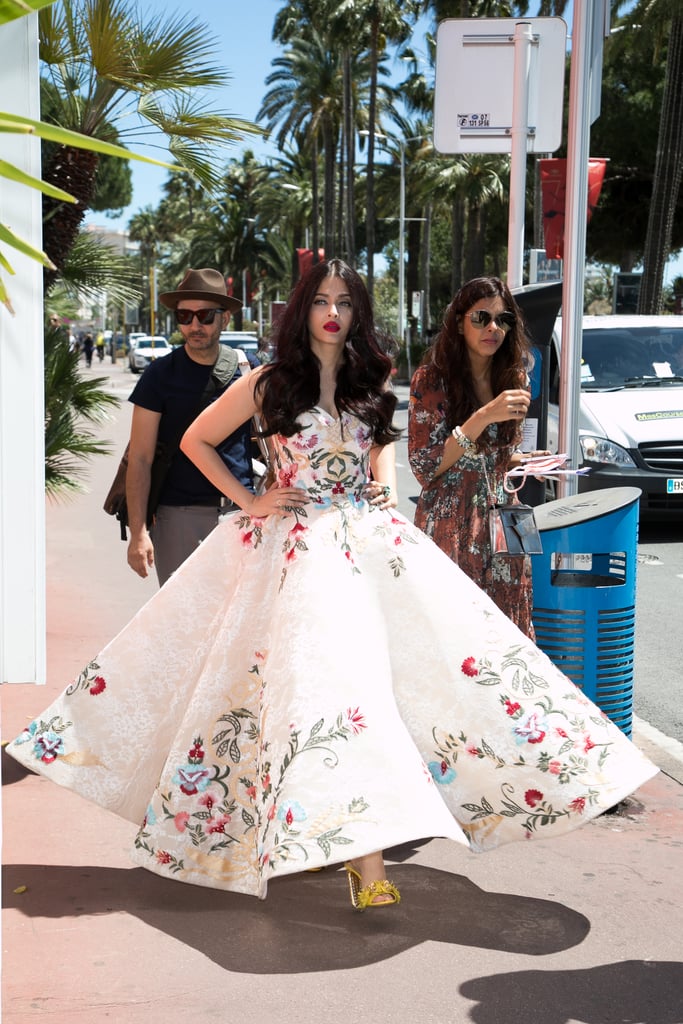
291 811
150 816
28 733
192 778
441 772
48 746
531 729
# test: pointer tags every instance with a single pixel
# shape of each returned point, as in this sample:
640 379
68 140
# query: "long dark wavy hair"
290 385
450 357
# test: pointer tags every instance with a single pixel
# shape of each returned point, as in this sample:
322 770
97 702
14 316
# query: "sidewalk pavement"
586 929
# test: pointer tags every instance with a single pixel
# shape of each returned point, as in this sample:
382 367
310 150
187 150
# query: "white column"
22 466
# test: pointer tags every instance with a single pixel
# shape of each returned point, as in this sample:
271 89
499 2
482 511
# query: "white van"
631 407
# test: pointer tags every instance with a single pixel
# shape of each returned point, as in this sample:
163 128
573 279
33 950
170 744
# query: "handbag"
513 530
223 371
512 527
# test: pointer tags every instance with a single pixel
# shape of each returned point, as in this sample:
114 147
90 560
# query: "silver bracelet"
468 446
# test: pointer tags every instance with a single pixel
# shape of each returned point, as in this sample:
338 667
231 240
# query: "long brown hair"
290 385
450 358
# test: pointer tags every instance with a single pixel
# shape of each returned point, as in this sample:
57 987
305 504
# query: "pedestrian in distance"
329 684
468 401
88 347
170 393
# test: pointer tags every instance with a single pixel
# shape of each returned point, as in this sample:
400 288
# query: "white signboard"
474 84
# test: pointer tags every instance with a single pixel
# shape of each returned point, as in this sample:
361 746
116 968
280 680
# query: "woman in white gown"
330 683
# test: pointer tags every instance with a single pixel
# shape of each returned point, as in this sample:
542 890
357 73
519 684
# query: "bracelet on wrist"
467 445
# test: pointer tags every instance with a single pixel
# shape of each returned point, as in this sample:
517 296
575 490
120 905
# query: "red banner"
306 260
554 191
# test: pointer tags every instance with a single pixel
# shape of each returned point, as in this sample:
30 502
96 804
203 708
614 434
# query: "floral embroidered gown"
330 684
453 508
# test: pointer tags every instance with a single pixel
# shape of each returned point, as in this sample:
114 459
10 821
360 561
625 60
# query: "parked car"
631 406
145 349
245 340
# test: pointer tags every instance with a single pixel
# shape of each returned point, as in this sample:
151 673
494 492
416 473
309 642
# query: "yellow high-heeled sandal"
365 896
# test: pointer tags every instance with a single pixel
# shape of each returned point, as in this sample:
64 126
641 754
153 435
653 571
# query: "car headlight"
604 452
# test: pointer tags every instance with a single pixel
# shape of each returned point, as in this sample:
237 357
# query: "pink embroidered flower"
529 730
271 813
555 767
163 857
561 732
246 538
251 792
48 746
473 750
291 555
218 823
260 655
208 801
578 804
588 745
97 686
533 797
356 719
297 528
398 540
469 667
287 474
180 821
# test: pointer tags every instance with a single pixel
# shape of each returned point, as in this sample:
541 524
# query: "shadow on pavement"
307 923
630 992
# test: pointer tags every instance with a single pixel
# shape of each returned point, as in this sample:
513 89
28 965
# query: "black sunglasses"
481 318
204 316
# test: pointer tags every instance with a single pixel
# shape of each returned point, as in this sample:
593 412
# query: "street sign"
473 99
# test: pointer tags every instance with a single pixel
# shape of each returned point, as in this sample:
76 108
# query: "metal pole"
519 132
578 138
401 258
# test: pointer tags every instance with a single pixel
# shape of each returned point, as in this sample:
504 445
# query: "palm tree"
105 62
305 100
70 399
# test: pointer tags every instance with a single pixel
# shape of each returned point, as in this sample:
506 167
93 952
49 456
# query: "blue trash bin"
584 584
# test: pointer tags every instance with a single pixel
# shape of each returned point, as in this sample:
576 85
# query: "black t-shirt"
173 386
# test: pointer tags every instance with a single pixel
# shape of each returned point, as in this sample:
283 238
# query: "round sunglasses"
481 318
204 316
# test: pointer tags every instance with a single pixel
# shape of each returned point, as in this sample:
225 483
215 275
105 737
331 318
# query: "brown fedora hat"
202 284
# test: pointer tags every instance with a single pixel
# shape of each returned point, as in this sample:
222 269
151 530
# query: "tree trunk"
74 171
350 146
370 184
667 177
457 242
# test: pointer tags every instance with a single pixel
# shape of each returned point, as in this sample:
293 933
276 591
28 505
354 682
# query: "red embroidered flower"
533 797
338 488
180 821
297 528
578 805
246 538
97 686
291 555
356 719
469 667
398 540
196 752
163 857
472 750
561 732
207 800
251 792
287 474
289 817
588 745
218 824
512 707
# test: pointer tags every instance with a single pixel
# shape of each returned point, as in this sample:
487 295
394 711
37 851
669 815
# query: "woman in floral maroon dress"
468 401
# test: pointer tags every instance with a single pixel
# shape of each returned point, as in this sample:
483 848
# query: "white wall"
22 487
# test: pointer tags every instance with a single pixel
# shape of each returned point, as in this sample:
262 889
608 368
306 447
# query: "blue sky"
244 47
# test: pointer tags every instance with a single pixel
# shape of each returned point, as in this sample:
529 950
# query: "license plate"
674 485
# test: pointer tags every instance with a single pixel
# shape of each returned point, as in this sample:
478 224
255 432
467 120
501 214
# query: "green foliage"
72 401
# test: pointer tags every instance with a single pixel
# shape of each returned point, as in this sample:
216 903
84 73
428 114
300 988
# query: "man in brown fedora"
172 507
